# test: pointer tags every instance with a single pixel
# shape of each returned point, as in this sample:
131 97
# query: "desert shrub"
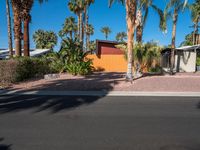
7 71
31 67
19 69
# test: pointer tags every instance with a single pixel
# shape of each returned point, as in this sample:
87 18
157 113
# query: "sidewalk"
113 84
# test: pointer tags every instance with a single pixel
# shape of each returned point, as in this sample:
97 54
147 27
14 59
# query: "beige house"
185 58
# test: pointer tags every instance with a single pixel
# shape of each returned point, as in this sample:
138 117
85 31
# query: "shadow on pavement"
4 146
96 82
53 104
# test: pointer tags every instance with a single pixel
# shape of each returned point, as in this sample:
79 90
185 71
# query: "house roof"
4 53
185 48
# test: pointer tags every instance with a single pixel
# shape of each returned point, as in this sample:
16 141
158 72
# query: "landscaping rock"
51 76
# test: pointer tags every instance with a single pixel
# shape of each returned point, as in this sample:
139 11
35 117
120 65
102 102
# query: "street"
99 123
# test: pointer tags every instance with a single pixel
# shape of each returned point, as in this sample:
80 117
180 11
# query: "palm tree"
106 31
9 28
77 7
69 27
26 6
89 32
17 9
26 17
45 39
195 14
131 6
86 18
143 10
174 7
121 36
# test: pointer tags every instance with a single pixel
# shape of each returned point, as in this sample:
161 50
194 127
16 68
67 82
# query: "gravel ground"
189 82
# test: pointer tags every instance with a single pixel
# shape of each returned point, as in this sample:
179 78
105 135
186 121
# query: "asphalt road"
99 123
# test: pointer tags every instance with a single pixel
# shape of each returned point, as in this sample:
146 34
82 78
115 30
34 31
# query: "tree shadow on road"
53 104
4 146
104 82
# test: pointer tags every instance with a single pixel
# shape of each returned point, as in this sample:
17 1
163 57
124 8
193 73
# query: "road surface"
99 123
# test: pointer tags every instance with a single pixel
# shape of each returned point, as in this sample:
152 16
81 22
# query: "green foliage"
71 58
30 67
121 36
92 46
45 39
89 30
147 55
106 31
198 61
188 40
156 69
69 28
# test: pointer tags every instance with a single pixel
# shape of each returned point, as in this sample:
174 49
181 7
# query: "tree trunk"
86 26
173 46
195 33
81 27
26 38
130 18
70 34
10 45
17 34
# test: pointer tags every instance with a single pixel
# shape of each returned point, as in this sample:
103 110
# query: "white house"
4 53
185 58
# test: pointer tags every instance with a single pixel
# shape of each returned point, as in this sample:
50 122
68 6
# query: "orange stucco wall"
109 63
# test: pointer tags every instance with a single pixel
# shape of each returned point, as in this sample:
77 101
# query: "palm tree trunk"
175 17
26 38
9 29
195 32
86 26
130 18
81 23
70 34
17 34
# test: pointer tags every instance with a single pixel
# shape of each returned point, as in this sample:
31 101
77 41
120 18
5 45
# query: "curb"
101 93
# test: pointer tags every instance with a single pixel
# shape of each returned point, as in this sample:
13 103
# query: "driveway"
99 123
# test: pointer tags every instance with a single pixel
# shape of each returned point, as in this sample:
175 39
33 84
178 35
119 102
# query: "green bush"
156 69
71 58
198 61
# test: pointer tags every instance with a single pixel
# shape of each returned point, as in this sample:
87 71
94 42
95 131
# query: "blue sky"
51 16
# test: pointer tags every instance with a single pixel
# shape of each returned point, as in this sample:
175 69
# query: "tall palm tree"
77 7
69 27
17 9
143 9
174 7
106 31
26 17
10 45
121 36
89 32
195 15
131 6
26 6
86 18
